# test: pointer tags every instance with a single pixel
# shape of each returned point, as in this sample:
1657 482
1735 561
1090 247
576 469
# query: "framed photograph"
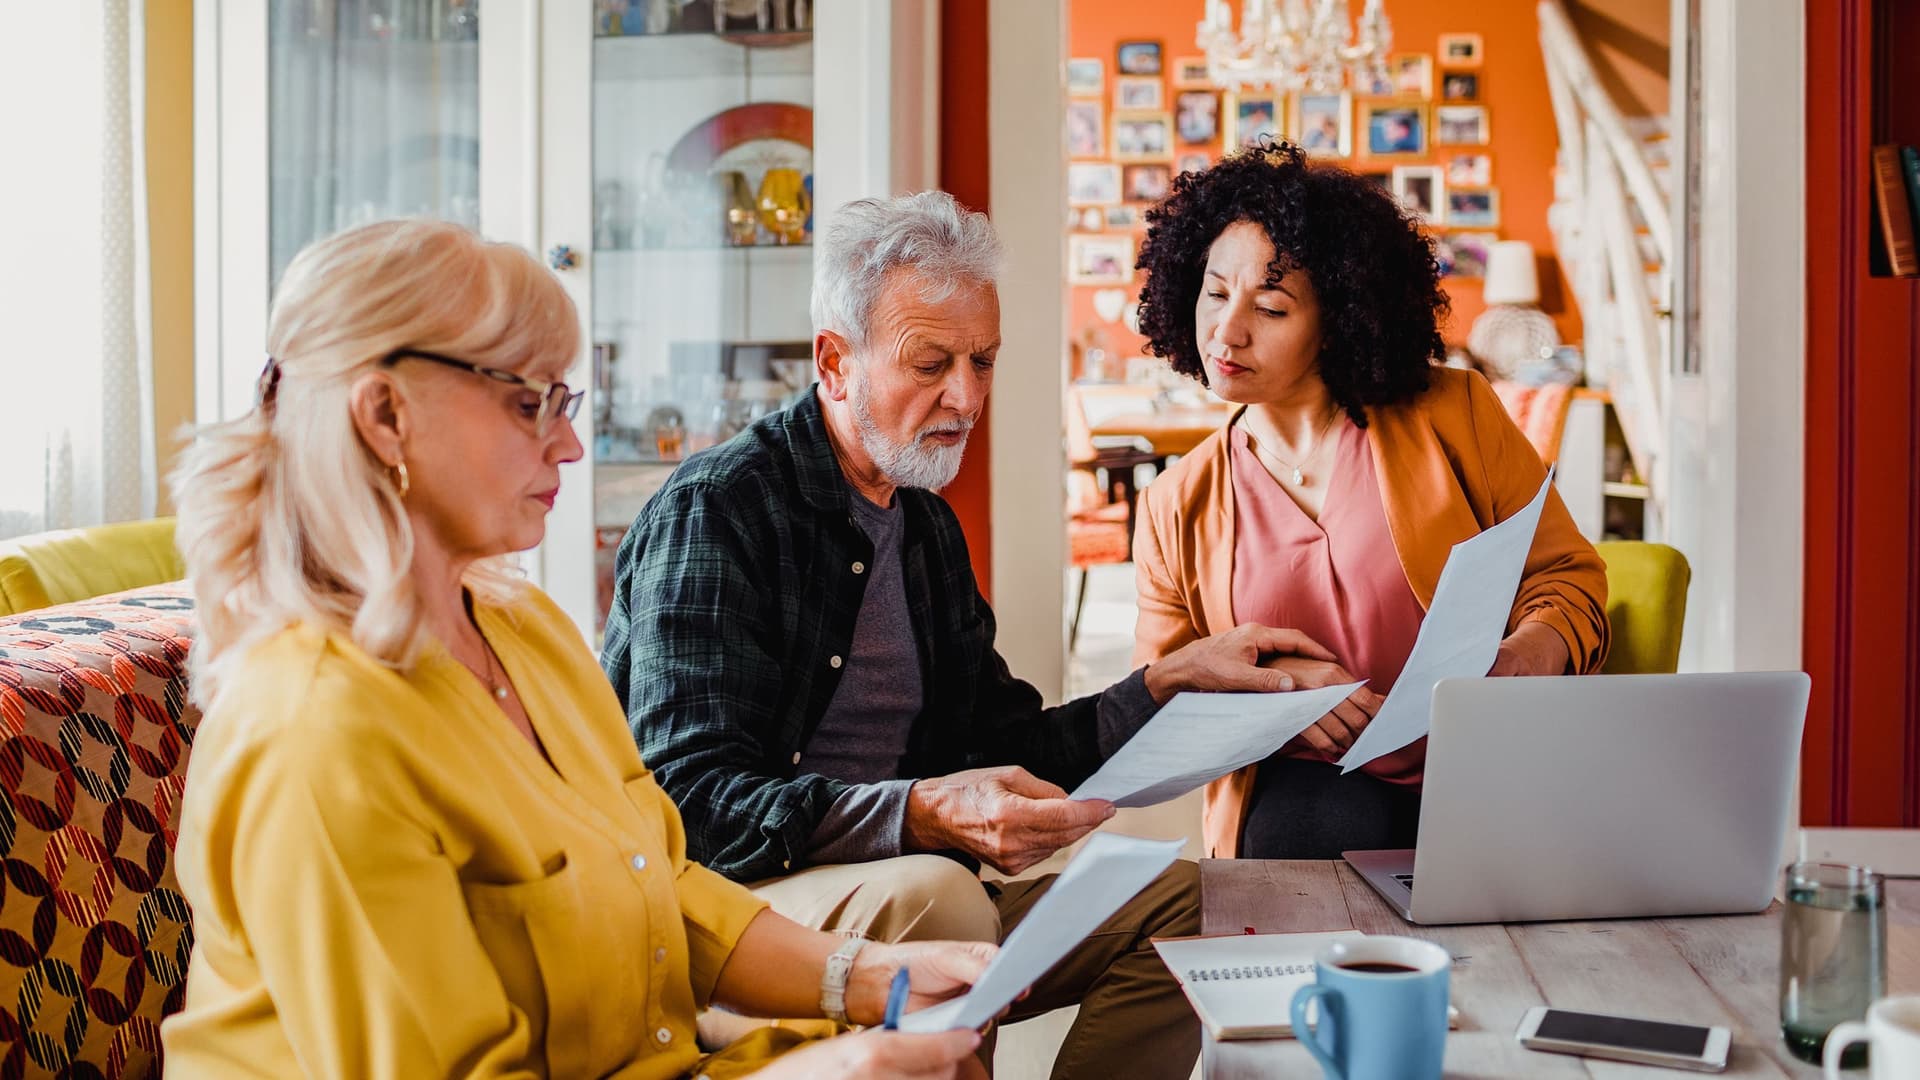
1193 162
1464 254
1087 219
1190 73
1146 183
1138 92
1323 123
1470 170
1252 116
1462 50
1100 260
1092 183
1473 208
1395 130
1137 58
1086 130
1196 117
1412 74
1142 136
1459 86
1422 189
1373 83
1122 217
1086 77
1461 125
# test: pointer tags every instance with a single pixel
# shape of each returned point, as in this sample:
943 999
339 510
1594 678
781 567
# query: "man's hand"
1231 661
1336 731
1006 817
1534 649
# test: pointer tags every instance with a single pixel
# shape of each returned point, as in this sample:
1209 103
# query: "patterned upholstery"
95 728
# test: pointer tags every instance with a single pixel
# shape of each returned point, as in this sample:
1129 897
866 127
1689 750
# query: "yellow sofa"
61 567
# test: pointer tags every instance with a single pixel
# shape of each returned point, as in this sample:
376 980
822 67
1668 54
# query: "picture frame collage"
1422 133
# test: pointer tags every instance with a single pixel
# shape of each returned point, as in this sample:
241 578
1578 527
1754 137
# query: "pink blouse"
1337 580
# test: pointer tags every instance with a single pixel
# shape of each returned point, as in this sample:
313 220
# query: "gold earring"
405 483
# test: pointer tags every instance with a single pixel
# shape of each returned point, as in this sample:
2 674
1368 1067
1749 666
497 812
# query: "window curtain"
76 444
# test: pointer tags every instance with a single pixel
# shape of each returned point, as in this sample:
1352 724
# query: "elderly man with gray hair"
809 668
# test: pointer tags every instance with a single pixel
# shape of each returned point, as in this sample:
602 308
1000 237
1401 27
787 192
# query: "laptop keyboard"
1405 879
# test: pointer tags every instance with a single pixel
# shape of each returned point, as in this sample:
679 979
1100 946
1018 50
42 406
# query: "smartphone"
1623 1038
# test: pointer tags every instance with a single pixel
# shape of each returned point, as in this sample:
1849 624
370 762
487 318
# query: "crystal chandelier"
1284 46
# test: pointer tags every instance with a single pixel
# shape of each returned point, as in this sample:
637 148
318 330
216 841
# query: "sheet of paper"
1462 632
1196 738
1103 877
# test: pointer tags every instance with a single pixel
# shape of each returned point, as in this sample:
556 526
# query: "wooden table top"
1713 970
1171 431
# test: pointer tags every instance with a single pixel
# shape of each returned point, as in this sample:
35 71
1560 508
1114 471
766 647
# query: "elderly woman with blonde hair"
417 837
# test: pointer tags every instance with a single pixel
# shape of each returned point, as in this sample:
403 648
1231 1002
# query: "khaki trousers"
1134 1021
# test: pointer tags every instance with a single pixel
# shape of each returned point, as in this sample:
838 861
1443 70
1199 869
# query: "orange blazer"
1450 463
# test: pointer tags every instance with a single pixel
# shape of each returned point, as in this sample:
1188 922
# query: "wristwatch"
833 981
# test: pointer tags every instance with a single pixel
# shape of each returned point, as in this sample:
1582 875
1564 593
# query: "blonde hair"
285 515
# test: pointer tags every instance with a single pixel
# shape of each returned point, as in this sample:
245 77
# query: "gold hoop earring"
402 480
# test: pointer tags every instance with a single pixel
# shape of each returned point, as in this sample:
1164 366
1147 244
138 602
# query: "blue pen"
897 998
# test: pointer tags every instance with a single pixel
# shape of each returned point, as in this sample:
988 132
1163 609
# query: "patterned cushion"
95 728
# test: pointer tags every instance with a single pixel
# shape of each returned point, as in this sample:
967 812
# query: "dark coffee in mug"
1376 968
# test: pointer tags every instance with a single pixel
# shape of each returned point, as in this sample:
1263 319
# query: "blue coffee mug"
1383 1009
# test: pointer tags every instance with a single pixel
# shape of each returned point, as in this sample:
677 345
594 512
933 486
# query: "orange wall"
964 171
1628 41
1513 87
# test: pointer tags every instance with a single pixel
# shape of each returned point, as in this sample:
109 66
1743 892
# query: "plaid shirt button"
859 567
833 662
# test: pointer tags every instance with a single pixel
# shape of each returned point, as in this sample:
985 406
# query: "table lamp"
1513 331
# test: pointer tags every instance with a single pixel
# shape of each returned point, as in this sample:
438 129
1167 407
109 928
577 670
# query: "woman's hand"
1333 733
938 969
883 1055
1534 649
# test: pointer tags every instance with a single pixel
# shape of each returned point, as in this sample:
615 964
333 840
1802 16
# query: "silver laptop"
1599 796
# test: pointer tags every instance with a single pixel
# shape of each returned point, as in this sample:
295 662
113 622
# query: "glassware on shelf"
612 216
784 205
743 228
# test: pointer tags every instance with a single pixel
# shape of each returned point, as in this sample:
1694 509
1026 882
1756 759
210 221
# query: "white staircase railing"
1606 201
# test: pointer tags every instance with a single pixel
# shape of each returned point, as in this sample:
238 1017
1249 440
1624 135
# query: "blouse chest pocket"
557 944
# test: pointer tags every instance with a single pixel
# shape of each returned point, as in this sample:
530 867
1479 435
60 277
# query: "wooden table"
1171 431
1716 970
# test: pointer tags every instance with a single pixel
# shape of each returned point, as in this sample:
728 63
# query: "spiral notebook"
1242 985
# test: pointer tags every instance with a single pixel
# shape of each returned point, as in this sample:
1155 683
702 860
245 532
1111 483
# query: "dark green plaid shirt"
733 609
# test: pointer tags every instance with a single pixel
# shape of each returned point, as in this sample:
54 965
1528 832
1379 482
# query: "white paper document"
1462 632
1197 738
1105 875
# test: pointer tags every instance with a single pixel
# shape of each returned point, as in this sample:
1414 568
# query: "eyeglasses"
556 399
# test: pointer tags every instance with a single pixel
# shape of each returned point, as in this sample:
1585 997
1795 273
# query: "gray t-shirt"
863 734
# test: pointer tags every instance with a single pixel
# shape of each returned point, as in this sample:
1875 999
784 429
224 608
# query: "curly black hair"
1374 271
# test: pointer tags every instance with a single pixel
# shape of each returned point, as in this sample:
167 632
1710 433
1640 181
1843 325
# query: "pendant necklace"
1296 471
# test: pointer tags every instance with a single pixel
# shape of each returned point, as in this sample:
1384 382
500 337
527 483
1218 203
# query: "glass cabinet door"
373 112
702 171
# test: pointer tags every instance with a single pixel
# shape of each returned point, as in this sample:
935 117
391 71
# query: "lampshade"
1511 277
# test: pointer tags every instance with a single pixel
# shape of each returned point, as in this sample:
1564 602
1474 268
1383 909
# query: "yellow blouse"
388 881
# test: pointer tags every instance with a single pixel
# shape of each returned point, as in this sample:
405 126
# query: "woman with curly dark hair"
1329 501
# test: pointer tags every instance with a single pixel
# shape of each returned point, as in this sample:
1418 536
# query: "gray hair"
928 233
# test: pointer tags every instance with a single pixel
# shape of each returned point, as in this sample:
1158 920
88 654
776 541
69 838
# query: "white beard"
918 464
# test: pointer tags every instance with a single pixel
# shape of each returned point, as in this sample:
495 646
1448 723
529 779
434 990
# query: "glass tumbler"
1833 953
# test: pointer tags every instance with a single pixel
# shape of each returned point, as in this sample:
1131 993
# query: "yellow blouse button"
664 1036
639 862
660 955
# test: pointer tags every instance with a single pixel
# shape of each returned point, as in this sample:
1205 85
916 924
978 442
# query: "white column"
1027 40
